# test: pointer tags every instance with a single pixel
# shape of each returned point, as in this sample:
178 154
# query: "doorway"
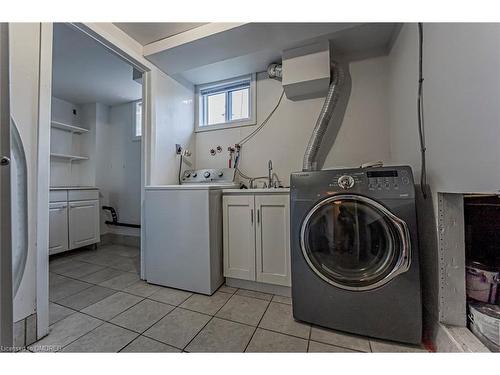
96 161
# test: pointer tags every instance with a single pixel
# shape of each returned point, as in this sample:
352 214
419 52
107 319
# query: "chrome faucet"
270 174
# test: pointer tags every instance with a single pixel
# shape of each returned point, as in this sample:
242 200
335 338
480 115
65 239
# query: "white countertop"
207 186
73 188
257 191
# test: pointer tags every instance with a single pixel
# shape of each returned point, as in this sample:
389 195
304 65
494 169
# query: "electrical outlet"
178 149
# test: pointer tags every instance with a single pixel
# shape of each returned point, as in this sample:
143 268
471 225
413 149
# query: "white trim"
43 179
120 46
6 290
252 120
145 159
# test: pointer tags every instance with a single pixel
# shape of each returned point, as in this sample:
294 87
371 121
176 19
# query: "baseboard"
25 332
284 291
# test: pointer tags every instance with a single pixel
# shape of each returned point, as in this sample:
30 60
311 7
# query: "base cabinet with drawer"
256 229
58 227
73 219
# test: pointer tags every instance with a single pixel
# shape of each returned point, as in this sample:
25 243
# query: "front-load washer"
183 227
355 264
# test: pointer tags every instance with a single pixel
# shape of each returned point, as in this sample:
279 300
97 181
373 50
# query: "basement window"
226 104
137 121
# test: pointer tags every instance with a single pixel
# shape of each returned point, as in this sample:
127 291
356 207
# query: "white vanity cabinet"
83 220
58 227
256 233
73 219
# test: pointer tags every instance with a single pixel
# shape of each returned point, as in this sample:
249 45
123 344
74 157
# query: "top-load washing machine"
183 226
355 264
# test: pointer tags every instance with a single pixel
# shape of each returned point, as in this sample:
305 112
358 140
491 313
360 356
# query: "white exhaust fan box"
306 71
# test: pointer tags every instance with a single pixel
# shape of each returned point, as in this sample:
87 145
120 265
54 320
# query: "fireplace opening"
482 260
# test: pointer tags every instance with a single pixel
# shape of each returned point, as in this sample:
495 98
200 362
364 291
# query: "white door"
239 236
6 302
58 228
83 223
273 239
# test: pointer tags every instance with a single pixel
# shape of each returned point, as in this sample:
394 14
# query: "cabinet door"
83 223
273 239
58 228
239 236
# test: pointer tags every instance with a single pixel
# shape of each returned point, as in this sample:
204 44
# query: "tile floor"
99 304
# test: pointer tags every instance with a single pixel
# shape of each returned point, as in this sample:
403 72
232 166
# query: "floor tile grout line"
339 346
197 333
85 334
256 327
211 318
74 294
83 281
309 338
141 333
104 321
150 338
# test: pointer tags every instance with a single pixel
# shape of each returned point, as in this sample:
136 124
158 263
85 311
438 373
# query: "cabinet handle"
251 216
81 206
258 215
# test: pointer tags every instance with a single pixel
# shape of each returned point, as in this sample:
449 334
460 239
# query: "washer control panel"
346 182
203 176
388 180
394 181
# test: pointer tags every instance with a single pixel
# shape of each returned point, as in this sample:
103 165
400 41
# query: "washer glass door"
354 242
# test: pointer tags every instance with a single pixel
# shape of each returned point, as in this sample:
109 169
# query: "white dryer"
183 228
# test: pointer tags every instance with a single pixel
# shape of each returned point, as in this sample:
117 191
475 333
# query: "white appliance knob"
206 174
221 174
346 182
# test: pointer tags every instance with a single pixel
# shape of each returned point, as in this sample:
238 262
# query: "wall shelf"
68 157
69 128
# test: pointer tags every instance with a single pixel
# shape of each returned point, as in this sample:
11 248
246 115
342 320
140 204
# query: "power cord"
252 134
420 110
180 168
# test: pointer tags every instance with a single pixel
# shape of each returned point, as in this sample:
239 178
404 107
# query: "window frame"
200 108
136 137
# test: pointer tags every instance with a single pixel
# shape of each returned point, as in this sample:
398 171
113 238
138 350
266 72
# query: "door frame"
6 294
43 166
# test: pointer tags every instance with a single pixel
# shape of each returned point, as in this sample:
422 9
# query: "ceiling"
146 33
209 56
86 72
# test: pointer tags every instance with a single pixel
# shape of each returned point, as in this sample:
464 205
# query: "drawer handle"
251 216
81 206
258 216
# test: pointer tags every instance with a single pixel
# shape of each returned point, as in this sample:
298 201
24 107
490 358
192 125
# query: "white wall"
364 135
118 169
172 120
462 122
24 62
462 115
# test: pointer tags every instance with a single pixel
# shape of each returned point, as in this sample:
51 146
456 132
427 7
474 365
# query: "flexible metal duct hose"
311 154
